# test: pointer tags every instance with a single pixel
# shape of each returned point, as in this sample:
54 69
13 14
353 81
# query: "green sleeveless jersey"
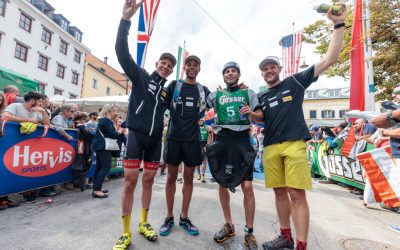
228 105
203 133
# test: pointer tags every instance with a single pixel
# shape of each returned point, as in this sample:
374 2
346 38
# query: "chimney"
105 59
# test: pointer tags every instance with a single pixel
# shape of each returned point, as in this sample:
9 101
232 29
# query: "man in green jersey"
205 139
231 152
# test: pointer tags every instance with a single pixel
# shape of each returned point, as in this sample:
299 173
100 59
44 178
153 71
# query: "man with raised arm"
286 168
145 120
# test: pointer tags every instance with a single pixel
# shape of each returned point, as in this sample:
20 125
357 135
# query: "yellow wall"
103 81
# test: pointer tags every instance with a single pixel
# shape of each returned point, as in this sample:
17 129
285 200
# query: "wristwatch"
390 118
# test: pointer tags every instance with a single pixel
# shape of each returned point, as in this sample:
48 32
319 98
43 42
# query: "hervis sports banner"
29 161
328 163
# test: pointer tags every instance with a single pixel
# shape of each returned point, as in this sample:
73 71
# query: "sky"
256 25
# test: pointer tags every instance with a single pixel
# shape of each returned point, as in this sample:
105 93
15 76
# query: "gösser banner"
336 167
29 161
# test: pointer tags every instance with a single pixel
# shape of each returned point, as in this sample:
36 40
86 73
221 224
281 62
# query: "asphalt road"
75 220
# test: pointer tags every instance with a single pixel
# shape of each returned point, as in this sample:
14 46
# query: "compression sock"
287 232
301 245
126 224
143 216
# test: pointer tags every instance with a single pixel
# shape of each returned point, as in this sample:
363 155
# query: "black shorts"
188 152
143 147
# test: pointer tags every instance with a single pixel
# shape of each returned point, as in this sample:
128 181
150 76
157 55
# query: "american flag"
147 20
291 50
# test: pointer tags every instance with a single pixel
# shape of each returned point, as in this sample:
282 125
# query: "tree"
385 36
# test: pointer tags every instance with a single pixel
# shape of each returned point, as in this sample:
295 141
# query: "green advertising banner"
23 83
328 163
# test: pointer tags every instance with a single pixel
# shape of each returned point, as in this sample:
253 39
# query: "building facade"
100 79
36 42
326 107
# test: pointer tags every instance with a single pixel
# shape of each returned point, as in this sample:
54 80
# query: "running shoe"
203 180
250 242
226 231
147 231
188 226
279 242
123 242
167 226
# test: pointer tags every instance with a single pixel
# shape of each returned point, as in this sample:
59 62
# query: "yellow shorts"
286 165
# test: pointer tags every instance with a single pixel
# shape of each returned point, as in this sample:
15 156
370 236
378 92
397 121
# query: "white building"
36 42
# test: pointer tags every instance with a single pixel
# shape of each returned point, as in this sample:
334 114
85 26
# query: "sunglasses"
396 92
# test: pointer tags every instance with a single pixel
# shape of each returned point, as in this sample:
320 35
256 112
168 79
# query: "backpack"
177 92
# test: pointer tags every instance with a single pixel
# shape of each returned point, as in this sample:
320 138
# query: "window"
77 56
108 90
46 36
75 78
60 71
78 36
21 52
334 93
64 24
63 47
72 96
342 113
312 94
3 7
58 92
328 113
94 83
313 114
43 62
25 22
42 86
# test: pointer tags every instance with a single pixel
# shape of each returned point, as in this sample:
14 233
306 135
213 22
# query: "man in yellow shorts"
284 158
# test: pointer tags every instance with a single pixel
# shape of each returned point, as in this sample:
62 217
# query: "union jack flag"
291 50
147 19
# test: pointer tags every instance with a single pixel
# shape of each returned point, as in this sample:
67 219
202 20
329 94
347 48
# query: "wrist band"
338 25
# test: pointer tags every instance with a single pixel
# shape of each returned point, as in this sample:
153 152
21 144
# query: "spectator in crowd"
260 139
60 121
105 129
363 129
2 103
29 111
46 105
83 160
91 125
316 135
11 94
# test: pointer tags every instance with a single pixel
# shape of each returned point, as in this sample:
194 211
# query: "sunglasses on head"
396 92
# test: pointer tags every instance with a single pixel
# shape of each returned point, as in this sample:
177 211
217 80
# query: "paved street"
76 221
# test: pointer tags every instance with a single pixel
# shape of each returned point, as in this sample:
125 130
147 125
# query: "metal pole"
369 74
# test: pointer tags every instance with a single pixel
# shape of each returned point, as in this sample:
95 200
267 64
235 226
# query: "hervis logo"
38 157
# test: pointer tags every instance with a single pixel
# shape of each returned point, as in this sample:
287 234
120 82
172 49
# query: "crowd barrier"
331 164
29 161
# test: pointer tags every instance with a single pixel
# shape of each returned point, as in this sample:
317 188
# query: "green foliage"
385 36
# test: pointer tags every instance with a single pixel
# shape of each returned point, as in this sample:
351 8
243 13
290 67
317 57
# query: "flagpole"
369 74
292 59
183 61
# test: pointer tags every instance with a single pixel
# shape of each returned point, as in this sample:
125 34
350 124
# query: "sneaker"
188 226
212 179
203 180
47 193
250 242
199 177
123 242
29 198
12 204
225 232
279 242
165 229
147 231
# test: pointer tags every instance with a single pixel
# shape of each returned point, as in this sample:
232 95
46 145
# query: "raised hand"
130 8
337 19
